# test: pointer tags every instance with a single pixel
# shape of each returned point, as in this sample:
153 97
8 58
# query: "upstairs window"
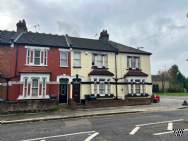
77 59
100 60
37 57
133 62
63 59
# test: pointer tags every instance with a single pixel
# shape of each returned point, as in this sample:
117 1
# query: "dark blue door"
63 90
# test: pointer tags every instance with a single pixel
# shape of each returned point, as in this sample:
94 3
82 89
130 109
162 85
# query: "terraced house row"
44 66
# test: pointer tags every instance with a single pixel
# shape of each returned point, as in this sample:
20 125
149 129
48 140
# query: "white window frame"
25 87
77 59
108 87
41 94
133 62
102 83
43 89
30 58
61 58
38 87
104 60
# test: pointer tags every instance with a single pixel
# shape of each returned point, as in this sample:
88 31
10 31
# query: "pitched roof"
135 73
42 39
127 49
101 72
7 36
90 44
50 40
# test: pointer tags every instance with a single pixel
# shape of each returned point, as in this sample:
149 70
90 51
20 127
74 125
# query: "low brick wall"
114 103
27 106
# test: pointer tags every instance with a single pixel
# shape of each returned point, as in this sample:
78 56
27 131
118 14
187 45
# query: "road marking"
57 136
168 132
92 136
152 123
134 130
170 126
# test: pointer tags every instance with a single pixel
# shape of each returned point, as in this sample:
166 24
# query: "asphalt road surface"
163 126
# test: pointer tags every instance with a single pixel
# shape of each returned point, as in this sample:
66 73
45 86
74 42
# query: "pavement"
167 104
152 126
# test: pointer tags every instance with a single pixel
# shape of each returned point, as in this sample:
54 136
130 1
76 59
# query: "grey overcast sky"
160 26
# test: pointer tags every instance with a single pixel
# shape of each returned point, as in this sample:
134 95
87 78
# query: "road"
129 127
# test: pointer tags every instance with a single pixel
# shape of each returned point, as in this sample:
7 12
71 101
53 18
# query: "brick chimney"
104 36
21 26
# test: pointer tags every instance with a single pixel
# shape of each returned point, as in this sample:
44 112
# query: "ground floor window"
101 86
34 85
136 86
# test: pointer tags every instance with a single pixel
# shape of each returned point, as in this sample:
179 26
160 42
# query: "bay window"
34 86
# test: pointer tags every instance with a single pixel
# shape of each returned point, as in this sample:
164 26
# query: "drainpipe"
7 90
116 79
16 65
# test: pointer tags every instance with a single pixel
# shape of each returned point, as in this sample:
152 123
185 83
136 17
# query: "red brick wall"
7 61
8 66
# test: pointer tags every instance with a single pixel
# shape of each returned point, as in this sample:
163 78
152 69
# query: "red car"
156 99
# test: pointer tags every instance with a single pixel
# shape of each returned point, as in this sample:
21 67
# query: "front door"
63 90
76 92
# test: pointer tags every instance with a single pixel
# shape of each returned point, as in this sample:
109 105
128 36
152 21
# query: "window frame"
31 56
77 59
133 62
25 87
103 61
43 89
38 86
102 83
61 58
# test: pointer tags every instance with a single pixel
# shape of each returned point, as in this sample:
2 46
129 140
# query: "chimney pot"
104 36
21 26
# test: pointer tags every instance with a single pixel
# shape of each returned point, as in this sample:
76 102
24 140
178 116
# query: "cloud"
160 26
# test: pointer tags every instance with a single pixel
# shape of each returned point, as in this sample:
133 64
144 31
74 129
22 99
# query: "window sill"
33 97
134 69
78 67
64 66
96 67
29 65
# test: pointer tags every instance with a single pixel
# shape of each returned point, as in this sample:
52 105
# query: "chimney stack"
21 26
104 36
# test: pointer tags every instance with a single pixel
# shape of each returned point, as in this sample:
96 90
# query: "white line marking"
170 126
152 123
57 136
92 136
168 132
134 130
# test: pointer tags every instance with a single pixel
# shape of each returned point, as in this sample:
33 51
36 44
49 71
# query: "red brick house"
28 65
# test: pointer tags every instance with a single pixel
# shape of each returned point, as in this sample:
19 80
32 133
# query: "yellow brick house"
103 69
